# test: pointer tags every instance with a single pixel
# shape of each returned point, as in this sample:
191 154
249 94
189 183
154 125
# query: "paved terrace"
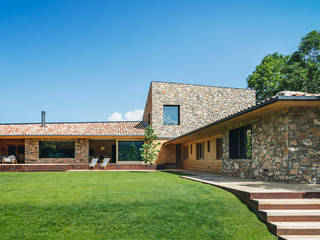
246 185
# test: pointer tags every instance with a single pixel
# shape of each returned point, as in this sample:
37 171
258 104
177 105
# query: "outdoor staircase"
291 212
291 216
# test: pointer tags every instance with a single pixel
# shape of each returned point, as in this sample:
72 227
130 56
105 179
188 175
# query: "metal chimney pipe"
43 118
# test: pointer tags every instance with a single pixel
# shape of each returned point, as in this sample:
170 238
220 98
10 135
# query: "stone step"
284 195
299 237
277 204
295 228
291 215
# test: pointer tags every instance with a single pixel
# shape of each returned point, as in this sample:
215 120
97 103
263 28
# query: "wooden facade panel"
209 161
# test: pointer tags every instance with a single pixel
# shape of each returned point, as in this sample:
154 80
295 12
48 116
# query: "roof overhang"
72 136
263 108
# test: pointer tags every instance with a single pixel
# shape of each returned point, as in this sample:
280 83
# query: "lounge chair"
105 163
93 162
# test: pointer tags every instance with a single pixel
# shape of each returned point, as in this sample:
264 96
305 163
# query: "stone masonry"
32 151
285 147
199 105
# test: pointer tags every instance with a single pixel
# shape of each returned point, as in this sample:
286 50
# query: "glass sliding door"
129 150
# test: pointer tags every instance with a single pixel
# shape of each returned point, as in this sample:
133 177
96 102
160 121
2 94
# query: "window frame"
200 151
186 152
219 148
238 143
73 154
163 120
126 145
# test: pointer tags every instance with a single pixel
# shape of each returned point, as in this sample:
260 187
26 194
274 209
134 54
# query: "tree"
149 151
299 71
268 77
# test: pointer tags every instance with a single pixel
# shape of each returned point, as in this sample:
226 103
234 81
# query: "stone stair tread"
297 225
300 237
289 201
289 212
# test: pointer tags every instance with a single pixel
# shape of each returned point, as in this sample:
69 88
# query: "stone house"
276 140
200 127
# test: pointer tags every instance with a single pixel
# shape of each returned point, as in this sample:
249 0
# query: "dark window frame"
218 148
42 151
200 151
149 118
163 121
239 147
125 149
186 152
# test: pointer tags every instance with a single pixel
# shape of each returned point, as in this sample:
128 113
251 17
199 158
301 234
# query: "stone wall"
285 147
199 105
304 145
148 108
32 152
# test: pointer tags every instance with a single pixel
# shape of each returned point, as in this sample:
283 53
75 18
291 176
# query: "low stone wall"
32 151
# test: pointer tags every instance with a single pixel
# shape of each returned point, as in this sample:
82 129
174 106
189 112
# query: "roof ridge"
202 85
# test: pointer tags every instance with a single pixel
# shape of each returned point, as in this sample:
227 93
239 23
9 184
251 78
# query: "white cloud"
116 116
135 115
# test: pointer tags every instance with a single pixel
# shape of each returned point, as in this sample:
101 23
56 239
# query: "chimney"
43 118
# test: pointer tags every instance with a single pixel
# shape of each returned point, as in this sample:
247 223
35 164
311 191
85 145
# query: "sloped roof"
282 97
120 128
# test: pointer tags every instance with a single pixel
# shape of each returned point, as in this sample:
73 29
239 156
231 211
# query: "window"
186 152
240 143
20 149
12 150
171 115
209 146
149 118
218 148
200 147
130 150
190 148
56 149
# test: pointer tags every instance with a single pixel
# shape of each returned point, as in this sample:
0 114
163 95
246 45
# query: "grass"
120 205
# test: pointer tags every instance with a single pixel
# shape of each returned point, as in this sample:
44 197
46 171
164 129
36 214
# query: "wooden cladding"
207 155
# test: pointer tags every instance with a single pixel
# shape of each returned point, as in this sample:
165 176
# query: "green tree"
269 77
149 151
299 71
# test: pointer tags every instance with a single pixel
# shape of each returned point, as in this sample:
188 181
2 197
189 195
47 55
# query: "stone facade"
147 115
199 105
285 147
32 151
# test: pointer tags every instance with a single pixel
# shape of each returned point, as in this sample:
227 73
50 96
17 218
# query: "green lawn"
120 205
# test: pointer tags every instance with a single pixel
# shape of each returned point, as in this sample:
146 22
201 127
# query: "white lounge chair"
93 162
105 163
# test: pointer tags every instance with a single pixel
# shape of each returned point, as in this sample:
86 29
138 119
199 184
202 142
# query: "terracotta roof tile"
120 128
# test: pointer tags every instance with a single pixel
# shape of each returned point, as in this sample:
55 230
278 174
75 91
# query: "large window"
130 150
200 151
53 149
240 143
171 114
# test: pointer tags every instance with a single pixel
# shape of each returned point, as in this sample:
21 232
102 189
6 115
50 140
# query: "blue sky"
86 60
